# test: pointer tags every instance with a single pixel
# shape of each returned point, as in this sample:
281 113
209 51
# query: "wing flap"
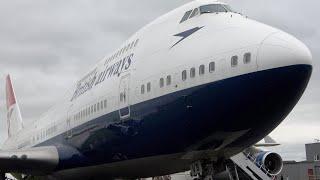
39 160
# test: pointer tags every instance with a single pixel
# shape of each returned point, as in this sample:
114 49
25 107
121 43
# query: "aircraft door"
124 88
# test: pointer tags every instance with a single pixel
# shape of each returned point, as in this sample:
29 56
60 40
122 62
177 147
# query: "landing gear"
204 169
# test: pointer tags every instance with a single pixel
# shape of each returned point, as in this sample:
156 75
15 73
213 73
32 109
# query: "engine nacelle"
271 161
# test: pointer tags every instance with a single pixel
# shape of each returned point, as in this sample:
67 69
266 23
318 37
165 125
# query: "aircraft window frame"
148 87
206 9
142 90
193 72
194 13
202 69
168 80
247 58
161 82
234 61
186 16
212 67
184 75
228 8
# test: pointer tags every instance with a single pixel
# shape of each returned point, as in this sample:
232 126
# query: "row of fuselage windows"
80 115
202 70
90 110
45 133
123 50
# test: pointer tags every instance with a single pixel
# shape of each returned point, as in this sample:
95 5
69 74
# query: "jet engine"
270 161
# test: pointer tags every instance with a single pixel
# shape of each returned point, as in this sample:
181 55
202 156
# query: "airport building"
305 170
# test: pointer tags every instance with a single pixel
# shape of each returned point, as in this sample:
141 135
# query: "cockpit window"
194 12
228 8
186 16
214 8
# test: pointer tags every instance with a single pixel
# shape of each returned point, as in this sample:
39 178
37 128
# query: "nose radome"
281 49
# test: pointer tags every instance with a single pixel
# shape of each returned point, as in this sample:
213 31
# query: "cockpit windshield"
215 8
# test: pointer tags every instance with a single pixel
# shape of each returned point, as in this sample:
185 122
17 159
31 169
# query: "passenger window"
194 13
131 45
247 58
142 89
234 61
136 43
161 82
127 47
95 107
168 80
91 109
98 106
148 87
212 67
192 72
105 103
184 75
101 105
201 70
185 16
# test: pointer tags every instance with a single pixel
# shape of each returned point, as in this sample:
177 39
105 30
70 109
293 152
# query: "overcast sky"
46 45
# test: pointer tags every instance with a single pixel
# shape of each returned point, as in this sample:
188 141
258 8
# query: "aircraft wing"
39 160
268 142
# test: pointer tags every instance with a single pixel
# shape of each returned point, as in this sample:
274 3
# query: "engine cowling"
271 161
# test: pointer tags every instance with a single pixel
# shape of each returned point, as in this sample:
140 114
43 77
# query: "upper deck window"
213 8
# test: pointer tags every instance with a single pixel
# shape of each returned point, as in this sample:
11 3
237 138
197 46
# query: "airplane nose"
281 49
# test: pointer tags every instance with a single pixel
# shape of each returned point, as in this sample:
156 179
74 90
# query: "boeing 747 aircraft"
196 86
